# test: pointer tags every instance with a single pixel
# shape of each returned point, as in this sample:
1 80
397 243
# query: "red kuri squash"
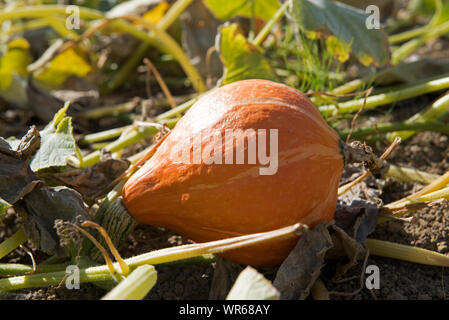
192 193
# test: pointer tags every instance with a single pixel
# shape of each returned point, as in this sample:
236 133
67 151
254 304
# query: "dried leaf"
16 177
302 267
199 29
344 247
92 181
42 207
225 274
358 220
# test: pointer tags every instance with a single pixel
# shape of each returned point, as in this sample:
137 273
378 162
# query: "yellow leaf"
68 63
15 60
338 48
154 15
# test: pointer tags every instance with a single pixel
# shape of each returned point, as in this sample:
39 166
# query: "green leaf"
325 18
226 10
57 143
251 285
241 59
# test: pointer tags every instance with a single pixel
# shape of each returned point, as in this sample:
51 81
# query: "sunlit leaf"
3 207
13 70
251 285
338 49
348 24
68 63
225 10
240 58
154 15
57 143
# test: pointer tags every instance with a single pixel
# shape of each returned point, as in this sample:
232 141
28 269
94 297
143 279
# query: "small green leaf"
241 59
348 24
225 10
57 143
251 285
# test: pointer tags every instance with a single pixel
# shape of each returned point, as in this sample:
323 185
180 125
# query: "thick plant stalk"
101 273
43 11
135 286
13 269
267 27
158 37
403 130
406 253
404 174
409 47
436 110
409 91
168 43
133 137
12 242
167 20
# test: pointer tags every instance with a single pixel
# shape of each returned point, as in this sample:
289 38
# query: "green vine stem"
167 20
168 45
14 269
406 92
409 34
103 135
135 136
436 111
43 11
404 174
380 128
157 37
26 26
409 47
102 273
406 253
12 242
269 25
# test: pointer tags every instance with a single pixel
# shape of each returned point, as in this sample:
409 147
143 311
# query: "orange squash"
209 201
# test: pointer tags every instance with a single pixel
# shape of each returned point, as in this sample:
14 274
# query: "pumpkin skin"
207 202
